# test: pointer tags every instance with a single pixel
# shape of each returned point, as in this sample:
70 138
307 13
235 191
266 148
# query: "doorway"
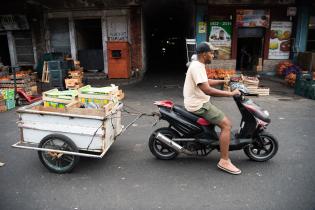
89 44
250 44
4 50
167 24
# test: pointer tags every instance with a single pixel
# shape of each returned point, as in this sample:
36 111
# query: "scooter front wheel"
263 148
159 149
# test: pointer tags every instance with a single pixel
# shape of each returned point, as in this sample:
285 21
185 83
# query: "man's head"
205 52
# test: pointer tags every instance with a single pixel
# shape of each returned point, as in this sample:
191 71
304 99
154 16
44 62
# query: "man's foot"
227 166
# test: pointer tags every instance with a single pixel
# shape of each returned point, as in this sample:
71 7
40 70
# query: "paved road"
129 177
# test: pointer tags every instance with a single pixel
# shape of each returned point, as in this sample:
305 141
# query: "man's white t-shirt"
194 97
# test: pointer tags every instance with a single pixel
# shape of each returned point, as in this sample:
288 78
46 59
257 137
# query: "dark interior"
249 48
89 44
167 24
4 51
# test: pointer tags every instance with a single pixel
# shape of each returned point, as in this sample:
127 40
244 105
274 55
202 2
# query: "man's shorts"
210 113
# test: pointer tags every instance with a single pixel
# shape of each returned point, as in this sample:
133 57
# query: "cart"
62 137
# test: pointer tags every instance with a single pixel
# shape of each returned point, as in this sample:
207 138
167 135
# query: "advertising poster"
252 18
202 26
279 46
220 33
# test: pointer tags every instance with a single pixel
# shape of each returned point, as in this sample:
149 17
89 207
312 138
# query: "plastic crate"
59 64
10 103
7 93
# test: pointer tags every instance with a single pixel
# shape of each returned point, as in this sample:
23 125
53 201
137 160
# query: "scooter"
190 134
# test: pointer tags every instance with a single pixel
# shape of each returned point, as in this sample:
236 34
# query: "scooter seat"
190 116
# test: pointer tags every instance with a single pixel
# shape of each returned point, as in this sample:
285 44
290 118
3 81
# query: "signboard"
202 27
252 18
220 37
279 46
13 22
291 11
117 28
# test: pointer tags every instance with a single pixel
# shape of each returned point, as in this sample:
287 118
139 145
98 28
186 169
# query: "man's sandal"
229 171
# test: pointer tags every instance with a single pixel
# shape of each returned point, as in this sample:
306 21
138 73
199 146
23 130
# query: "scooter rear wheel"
263 148
159 149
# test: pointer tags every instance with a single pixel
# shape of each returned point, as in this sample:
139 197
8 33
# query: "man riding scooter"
197 91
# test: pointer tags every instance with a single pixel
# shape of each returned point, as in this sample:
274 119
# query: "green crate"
10 103
7 93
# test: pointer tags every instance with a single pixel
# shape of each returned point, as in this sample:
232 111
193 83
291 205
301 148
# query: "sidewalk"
100 80
277 86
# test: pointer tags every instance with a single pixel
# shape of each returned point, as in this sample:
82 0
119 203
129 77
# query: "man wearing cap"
197 91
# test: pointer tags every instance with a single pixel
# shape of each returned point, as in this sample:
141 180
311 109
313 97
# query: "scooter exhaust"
172 144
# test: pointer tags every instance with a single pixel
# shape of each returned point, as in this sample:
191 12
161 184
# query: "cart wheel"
58 162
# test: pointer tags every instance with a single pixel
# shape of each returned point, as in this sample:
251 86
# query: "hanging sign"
252 18
220 33
279 46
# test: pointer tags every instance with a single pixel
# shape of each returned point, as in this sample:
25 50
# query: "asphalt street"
130 177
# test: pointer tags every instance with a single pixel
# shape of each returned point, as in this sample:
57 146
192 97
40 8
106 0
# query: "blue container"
10 103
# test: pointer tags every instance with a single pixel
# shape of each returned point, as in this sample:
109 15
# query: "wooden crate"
73 83
53 101
34 90
120 95
3 108
263 91
101 99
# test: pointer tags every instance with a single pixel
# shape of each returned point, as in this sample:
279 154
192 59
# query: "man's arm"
215 92
213 82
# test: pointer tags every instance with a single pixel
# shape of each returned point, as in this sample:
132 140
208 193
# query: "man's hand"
235 92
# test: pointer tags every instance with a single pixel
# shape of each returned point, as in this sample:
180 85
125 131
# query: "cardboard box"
34 90
259 68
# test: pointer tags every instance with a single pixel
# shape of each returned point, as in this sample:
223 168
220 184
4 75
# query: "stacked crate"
7 100
24 80
75 77
3 106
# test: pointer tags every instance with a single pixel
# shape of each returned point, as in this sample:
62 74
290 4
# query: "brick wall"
135 27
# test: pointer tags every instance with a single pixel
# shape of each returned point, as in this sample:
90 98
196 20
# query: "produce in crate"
99 97
59 99
290 79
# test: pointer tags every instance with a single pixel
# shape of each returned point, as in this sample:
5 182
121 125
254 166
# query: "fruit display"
290 79
219 73
289 71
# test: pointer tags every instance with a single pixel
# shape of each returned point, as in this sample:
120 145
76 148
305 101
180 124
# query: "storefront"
84 35
250 38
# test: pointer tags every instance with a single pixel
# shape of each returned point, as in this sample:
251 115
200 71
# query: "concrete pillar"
12 51
72 34
201 16
303 14
104 41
